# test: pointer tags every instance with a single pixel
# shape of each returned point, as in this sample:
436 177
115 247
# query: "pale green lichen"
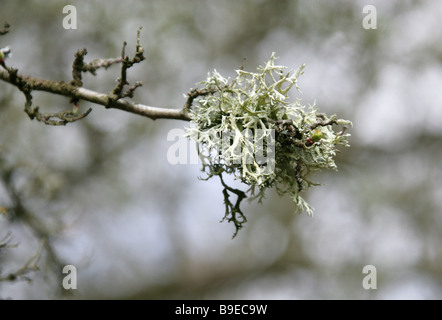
250 129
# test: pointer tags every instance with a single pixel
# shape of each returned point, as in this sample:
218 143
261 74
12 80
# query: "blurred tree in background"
100 194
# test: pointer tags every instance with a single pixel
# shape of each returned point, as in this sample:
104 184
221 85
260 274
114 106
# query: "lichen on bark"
249 127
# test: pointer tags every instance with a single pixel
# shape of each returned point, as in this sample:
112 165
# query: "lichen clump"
248 127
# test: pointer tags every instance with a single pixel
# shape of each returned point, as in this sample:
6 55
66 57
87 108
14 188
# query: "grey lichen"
250 129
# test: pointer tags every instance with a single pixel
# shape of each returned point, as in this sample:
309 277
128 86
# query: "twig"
233 211
195 93
79 93
29 266
76 92
321 122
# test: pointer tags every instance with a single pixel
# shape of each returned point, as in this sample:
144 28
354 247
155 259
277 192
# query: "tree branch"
74 90
79 93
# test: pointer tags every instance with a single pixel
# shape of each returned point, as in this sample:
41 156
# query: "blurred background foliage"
100 194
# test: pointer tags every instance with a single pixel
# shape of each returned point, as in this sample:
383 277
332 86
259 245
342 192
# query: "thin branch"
127 63
79 93
93 66
321 121
5 242
40 229
76 92
195 93
233 211
29 266
77 67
